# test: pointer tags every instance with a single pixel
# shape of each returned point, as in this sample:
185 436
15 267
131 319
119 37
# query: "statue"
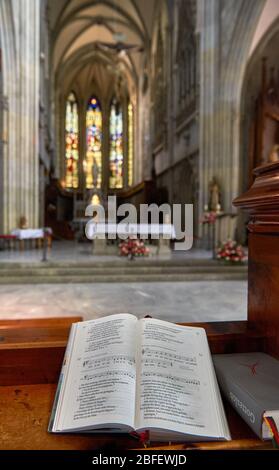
23 222
95 173
274 154
214 198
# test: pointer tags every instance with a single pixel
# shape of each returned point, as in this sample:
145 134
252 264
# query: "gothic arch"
262 64
80 31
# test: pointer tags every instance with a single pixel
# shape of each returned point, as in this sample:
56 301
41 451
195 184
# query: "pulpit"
261 202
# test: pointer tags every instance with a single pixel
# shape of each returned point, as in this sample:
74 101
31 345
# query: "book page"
174 388
100 387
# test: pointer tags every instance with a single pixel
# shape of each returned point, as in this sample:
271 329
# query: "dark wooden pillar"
262 204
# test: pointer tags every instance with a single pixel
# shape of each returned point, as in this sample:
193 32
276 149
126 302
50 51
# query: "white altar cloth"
30 233
141 230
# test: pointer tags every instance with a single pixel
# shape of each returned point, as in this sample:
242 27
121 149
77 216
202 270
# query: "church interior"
139 229
151 101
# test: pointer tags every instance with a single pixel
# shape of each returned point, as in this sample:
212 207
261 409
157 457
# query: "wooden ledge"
52 322
32 351
33 354
29 375
37 333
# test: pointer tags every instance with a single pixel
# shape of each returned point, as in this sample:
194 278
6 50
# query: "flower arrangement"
208 218
133 247
231 252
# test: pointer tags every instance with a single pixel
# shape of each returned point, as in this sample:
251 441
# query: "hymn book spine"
60 380
241 400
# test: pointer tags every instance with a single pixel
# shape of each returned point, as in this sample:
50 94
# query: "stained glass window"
116 146
71 142
93 163
130 144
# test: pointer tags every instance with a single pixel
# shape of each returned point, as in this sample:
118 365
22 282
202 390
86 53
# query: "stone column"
226 33
209 52
20 39
234 61
125 134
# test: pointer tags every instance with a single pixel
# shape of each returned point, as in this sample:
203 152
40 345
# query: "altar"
30 236
106 236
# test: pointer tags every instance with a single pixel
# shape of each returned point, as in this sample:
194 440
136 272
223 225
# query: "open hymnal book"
121 374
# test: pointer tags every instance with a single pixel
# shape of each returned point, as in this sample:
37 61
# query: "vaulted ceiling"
84 30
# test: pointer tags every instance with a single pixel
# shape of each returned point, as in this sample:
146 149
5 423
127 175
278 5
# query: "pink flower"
231 251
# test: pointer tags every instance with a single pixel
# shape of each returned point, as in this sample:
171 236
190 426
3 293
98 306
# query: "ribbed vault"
81 27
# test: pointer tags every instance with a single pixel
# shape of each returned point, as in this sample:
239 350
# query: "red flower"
231 252
134 247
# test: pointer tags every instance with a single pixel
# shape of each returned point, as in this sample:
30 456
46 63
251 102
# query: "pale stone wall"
227 30
179 125
206 136
19 30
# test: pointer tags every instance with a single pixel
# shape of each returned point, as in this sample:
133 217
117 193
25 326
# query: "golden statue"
23 222
214 198
274 154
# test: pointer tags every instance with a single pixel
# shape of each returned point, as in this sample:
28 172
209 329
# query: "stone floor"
82 252
174 301
181 301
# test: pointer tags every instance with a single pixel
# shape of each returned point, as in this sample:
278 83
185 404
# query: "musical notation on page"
106 361
164 359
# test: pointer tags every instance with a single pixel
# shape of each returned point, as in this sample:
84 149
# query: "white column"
226 34
209 11
19 29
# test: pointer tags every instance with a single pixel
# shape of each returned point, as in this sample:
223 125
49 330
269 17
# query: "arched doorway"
260 105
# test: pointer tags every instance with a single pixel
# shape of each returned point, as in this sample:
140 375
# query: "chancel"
123 99
165 107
